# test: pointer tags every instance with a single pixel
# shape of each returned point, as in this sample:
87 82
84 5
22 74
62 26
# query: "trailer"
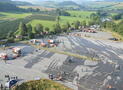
4 56
50 41
17 51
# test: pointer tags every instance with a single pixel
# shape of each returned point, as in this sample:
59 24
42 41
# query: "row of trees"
28 32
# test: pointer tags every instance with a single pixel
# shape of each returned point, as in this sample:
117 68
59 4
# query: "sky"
51 0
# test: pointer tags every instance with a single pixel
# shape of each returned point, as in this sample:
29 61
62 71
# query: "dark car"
114 39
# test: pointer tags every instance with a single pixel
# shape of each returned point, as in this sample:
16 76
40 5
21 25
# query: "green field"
12 20
45 23
7 15
8 23
64 19
81 14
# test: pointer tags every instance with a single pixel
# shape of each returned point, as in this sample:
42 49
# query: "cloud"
27 0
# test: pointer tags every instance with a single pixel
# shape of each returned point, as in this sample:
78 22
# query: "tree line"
108 24
26 31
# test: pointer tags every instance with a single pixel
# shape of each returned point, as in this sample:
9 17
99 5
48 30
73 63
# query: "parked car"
10 83
114 39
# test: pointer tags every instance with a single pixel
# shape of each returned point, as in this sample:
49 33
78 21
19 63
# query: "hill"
50 4
20 3
5 0
67 4
6 6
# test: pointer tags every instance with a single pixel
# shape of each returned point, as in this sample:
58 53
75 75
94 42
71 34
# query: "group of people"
57 77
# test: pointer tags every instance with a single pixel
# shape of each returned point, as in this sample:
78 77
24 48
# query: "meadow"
81 14
45 23
15 15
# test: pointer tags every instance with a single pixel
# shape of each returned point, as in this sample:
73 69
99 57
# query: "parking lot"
80 74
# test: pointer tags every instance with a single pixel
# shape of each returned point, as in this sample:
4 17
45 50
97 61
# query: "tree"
57 28
22 30
58 11
64 28
37 10
34 30
10 37
68 25
120 29
77 24
10 34
117 17
30 33
91 22
39 28
84 23
47 29
57 19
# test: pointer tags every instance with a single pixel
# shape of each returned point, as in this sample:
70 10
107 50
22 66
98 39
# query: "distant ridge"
64 3
5 0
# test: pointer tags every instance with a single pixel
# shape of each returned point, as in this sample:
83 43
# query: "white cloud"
27 0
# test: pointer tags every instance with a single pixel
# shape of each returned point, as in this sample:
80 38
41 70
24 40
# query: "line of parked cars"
48 43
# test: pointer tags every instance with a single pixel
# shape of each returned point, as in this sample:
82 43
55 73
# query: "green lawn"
7 15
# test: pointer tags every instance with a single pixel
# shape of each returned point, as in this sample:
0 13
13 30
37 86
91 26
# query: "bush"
43 84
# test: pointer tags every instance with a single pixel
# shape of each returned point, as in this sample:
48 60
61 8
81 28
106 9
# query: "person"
1 86
70 60
16 77
59 77
51 76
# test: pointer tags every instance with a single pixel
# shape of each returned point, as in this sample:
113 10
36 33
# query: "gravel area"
78 74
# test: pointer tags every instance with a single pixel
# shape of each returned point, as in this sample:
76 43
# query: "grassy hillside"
10 22
42 84
9 15
39 7
104 5
68 4
48 4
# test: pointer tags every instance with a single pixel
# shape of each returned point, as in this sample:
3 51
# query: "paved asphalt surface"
78 74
